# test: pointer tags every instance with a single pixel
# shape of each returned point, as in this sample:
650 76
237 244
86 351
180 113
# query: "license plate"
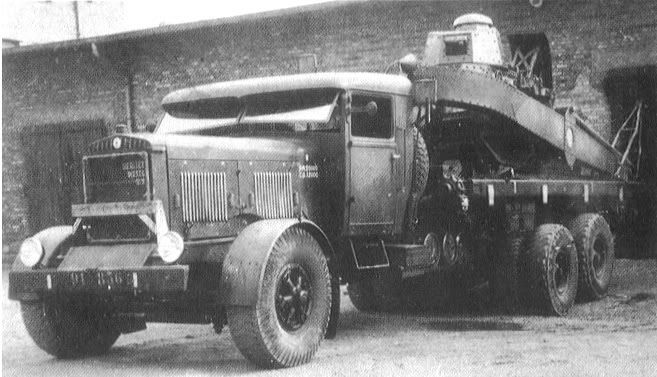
96 279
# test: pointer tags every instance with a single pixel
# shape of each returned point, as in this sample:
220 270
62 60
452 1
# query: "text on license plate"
100 279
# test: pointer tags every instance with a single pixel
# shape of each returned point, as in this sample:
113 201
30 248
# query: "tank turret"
474 40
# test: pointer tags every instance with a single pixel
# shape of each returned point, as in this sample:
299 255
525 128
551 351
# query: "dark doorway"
531 52
53 169
623 88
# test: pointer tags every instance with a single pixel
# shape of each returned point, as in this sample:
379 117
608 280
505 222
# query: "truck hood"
191 147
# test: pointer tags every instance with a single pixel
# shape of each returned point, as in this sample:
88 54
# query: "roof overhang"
166 30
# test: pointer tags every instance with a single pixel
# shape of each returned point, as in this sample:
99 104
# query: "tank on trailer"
464 69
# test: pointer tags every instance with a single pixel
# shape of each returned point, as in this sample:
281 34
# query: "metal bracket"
359 266
142 209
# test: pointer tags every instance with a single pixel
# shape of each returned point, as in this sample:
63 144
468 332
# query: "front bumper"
159 280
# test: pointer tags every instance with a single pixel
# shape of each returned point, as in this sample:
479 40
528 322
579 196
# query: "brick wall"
588 38
40 90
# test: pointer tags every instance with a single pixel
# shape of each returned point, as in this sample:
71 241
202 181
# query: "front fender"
51 239
244 265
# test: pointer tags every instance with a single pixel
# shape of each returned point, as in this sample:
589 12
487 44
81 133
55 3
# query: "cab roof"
375 82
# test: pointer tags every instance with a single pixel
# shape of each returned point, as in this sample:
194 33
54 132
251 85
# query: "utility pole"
76 14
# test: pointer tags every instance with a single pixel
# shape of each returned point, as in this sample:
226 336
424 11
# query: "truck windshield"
290 111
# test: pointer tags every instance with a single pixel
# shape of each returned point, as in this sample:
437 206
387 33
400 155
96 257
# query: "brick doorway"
623 88
53 169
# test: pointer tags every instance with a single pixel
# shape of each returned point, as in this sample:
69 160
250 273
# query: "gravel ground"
616 336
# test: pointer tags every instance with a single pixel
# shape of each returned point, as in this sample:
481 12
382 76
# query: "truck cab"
175 223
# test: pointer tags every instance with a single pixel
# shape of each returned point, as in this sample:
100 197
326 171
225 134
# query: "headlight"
31 252
170 246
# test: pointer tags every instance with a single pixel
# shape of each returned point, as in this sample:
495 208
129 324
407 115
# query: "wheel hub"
293 297
599 251
562 270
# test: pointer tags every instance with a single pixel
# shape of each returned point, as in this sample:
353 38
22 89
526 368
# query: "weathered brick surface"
588 39
41 89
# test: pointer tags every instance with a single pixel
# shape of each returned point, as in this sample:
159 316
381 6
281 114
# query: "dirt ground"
616 336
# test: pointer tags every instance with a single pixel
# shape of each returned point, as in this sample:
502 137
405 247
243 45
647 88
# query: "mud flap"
334 318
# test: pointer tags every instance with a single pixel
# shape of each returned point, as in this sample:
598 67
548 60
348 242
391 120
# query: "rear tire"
552 269
68 329
595 253
506 273
288 322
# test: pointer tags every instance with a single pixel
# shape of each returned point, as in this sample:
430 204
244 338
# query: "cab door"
373 161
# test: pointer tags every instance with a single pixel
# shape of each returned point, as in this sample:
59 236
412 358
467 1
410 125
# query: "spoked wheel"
290 317
595 251
293 297
561 271
600 253
552 269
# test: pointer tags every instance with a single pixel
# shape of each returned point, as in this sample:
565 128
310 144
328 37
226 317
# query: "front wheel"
68 329
286 325
552 269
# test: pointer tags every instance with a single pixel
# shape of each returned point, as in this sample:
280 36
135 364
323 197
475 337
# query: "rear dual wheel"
551 269
595 252
561 265
286 325
506 278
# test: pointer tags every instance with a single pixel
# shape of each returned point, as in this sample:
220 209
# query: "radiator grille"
204 197
273 194
116 177
127 143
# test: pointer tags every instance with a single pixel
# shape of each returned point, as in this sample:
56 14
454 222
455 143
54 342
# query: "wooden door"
53 171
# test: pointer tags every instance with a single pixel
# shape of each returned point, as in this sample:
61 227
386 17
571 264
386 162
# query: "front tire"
68 329
552 269
286 325
595 252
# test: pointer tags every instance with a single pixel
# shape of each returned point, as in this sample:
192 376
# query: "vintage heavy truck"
255 199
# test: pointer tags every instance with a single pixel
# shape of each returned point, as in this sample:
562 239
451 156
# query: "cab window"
371 116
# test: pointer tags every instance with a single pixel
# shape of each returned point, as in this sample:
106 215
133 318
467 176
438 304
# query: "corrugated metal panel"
204 197
273 194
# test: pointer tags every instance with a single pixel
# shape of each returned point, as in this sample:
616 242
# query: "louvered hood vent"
273 194
204 197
